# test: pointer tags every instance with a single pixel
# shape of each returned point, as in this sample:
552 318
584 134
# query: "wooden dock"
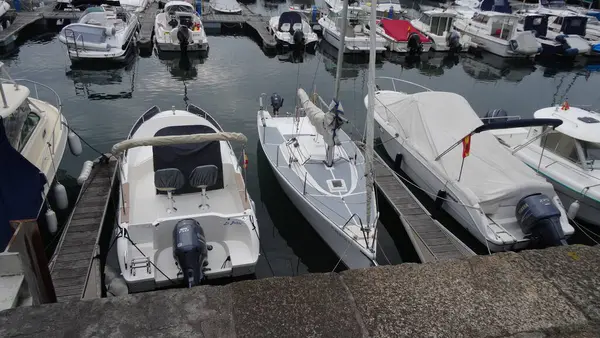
146 19
22 20
74 267
431 240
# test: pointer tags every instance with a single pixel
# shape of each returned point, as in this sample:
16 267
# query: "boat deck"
431 240
73 265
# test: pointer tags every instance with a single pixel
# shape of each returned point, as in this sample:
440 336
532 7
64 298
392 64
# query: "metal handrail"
393 80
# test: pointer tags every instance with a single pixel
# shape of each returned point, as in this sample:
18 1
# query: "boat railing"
394 81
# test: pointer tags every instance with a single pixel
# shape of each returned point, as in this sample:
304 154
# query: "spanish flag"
245 160
466 146
565 106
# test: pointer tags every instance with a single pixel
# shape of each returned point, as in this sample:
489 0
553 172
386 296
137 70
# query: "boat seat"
169 180
285 27
297 27
203 177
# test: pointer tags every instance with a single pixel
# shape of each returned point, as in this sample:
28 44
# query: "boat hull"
340 243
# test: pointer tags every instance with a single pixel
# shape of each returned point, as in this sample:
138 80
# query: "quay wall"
538 293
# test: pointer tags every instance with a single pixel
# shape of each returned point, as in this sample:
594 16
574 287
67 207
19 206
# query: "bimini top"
433 121
577 123
291 18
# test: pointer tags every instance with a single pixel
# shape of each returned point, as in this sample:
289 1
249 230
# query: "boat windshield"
20 125
591 151
388 2
180 8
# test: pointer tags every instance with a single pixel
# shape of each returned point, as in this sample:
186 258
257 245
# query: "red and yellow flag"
245 161
565 106
466 146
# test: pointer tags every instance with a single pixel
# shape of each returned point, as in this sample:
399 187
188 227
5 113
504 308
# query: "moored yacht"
437 25
402 37
184 212
568 156
102 33
178 28
291 29
357 35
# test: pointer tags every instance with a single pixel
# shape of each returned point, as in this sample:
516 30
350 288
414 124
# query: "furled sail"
326 124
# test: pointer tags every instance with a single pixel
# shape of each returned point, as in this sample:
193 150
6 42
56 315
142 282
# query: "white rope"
177 139
342 257
585 231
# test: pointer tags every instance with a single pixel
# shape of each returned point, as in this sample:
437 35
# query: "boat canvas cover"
401 29
434 121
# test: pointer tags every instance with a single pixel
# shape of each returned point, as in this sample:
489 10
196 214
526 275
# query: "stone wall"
544 293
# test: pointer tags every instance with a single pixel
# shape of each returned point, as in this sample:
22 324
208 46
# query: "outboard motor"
183 35
414 44
173 22
453 42
567 50
540 220
276 103
496 115
298 37
190 250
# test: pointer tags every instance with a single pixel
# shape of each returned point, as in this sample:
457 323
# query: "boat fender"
85 172
439 199
60 196
398 162
74 144
110 31
51 221
573 210
414 44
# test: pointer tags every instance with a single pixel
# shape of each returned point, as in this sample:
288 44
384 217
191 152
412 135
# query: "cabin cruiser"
553 43
391 9
357 35
178 27
225 6
500 201
402 37
185 214
568 156
437 25
291 29
572 25
103 32
33 137
497 33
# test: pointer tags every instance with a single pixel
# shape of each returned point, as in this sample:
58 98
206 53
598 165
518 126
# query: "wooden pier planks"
22 20
431 240
73 259
146 19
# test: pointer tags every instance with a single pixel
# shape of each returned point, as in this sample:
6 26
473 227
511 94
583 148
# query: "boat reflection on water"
353 64
580 66
295 56
428 64
182 66
88 78
491 68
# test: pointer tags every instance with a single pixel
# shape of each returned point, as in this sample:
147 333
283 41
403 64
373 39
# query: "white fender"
85 172
74 143
51 221
60 196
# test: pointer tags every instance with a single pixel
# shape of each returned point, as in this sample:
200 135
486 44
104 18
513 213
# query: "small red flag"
466 146
245 161
565 106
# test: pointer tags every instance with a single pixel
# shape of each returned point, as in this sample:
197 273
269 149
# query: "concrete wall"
547 293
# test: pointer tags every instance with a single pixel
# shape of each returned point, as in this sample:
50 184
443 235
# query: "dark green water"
102 105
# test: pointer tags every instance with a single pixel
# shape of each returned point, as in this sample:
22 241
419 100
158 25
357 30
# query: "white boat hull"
358 44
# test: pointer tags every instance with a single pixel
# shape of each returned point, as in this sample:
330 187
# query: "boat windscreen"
186 157
537 23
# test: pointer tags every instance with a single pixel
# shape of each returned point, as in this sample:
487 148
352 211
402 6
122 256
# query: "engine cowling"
539 218
190 250
414 44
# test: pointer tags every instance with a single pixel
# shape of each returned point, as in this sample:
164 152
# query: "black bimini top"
289 17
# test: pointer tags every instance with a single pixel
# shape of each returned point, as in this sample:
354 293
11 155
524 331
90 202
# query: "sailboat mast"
371 110
341 49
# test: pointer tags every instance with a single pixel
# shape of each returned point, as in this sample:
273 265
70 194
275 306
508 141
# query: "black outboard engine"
276 103
183 35
496 115
414 44
173 23
453 41
540 220
298 37
190 250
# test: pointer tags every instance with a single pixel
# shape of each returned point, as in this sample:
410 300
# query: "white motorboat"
102 33
357 35
500 201
497 33
391 9
291 29
39 132
572 26
568 156
323 172
553 43
178 28
134 6
437 24
184 211
225 6
402 37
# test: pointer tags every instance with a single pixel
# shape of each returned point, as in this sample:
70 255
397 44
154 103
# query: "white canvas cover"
433 121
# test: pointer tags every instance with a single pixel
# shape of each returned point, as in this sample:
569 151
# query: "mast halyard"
335 106
370 111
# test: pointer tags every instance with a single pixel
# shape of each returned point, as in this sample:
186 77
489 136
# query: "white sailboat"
184 212
323 172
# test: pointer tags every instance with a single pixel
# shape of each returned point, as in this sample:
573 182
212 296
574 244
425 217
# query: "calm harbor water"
102 104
